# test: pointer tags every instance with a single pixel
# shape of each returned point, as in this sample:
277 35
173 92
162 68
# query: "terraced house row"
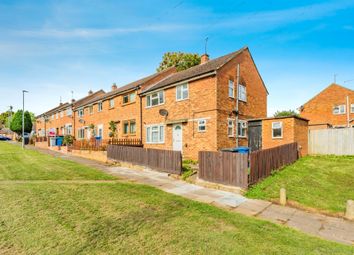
205 107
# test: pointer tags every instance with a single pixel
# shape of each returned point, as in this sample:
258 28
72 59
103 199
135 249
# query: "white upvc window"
242 93
69 111
231 89
111 103
352 108
91 109
100 131
99 107
80 112
277 129
61 114
68 129
155 134
81 133
230 127
242 128
202 125
154 99
339 109
57 115
182 92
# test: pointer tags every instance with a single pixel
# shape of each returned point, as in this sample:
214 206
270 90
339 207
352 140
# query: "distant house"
332 107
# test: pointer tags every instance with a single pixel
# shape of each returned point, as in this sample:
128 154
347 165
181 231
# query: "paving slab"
231 200
306 222
337 229
252 207
277 214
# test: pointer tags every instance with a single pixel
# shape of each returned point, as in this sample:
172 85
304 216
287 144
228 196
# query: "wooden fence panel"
224 167
263 162
162 160
332 141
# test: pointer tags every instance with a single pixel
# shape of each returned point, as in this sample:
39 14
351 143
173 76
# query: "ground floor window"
81 133
202 125
242 128
155 134
230 127
100 131
68 129
277 129
129 127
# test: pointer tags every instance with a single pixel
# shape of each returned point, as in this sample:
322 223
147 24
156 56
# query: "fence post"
282 199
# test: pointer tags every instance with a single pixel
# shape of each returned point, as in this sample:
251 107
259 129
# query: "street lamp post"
23 118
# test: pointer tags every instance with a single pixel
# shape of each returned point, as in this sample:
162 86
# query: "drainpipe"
141 119
237 101
348 112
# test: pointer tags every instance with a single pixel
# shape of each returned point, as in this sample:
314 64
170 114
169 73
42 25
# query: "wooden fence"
332 141
263 162
224 167
41 139
93 145
127 142
163 160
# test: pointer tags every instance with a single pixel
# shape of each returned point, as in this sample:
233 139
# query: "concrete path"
330 228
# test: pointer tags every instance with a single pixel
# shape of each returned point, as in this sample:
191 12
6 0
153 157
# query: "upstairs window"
242 93
182 92
80 112
129 98
202 125
352 108
91 109
111 103
231 89
99 107
57 115
61 114
339 109
69 111
277 129
230 127
242 128
154 99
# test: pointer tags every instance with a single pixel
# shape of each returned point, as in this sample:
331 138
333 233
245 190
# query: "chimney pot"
114 87
90 92
204 58
72 100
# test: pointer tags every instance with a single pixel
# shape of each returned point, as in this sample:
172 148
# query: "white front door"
177 137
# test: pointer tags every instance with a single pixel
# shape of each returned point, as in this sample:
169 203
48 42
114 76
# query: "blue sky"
54 47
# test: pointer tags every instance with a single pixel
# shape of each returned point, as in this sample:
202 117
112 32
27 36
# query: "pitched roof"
130 86
195 71
332 85
55 109
83 101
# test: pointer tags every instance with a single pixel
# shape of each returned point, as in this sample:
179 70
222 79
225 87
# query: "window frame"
69 111
128 96
182 90
232 127
80 110
239 94
352 108
79 133
281 130
202 125
238 129
61 114
159 129
100 106
149 99
343 106
111 105
231 85
129 127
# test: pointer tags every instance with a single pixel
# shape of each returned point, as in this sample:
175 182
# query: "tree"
285 113
113 128
180 60
16 122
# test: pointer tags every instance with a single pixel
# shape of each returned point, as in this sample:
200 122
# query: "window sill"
155 143
111 108
148 107
277 138
129 103
180 100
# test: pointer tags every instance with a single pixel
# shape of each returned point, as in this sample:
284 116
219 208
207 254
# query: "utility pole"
23 118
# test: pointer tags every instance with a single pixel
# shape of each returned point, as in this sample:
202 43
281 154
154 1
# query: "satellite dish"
163 112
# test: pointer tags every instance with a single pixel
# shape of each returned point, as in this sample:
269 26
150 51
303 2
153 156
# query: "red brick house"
332 107
205 107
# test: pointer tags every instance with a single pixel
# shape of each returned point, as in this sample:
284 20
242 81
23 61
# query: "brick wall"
319 110
294 130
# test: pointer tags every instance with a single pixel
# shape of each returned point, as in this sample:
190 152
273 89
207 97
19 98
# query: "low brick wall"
43 145
94 155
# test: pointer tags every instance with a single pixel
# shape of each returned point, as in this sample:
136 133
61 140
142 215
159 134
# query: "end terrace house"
205 107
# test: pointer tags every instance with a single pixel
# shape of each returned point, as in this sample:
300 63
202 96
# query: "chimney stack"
90 92
114 87
204 58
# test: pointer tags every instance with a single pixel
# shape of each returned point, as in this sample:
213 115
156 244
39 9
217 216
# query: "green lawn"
17 164
123 218
321 182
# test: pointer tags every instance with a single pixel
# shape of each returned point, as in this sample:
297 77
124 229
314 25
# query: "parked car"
4 138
